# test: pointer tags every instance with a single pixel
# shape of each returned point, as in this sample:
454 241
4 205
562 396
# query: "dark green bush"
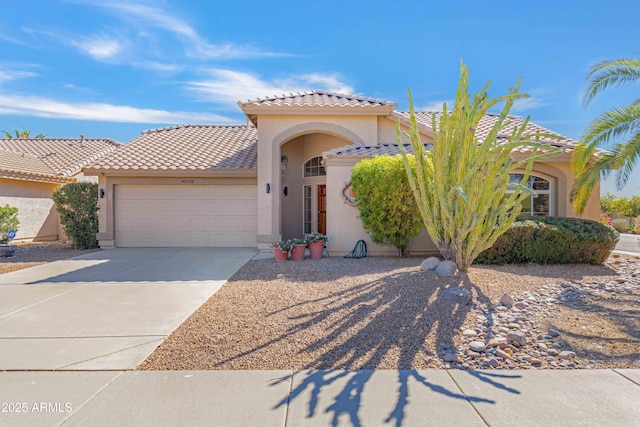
8 221
77 205
552 240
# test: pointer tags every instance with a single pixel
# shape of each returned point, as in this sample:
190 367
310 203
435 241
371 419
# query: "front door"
322 209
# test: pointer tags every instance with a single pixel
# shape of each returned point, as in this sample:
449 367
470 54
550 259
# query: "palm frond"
587 180
613 124
628 154
610 72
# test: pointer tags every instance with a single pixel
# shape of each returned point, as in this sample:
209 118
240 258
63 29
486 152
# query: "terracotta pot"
297 252
280 254
316 249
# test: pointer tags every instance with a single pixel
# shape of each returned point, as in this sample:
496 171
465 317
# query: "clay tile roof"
187 147
27 167
489 120
317 98
358 150
62 157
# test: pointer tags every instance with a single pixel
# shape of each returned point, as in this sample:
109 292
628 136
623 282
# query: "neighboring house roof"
188 148
50 159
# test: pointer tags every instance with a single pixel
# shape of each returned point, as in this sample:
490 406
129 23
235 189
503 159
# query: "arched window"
541 205
313 167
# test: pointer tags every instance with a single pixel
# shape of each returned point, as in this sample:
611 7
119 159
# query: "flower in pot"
298 248
316 242
281 250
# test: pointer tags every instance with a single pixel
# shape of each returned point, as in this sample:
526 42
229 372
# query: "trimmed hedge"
552 240
77 205
8 221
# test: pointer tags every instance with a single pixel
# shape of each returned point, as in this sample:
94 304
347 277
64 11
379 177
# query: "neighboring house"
31 170
284 174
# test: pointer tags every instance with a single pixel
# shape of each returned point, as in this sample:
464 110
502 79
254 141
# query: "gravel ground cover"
32 254
386 313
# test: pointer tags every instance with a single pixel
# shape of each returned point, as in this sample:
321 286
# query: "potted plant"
297 249
316 242
281 250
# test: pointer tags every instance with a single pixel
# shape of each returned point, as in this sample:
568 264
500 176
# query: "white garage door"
186 215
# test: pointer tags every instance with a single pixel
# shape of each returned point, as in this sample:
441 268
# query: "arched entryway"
303 180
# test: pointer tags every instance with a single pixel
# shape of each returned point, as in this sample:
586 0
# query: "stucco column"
269 228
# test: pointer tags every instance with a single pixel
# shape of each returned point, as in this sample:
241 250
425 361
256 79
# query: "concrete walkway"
322 398
105 310
628 243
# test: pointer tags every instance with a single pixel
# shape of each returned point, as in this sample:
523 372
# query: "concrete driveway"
629 243
105 310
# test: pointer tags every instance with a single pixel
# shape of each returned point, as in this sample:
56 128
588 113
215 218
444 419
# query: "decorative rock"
521 305
567 355
506 300
477 346
491 362
517 338
450 357
469 333
430 263
447 268
503 354
458 295
535 361
554 333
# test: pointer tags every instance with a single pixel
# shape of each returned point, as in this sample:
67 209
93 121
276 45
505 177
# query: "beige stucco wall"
36 212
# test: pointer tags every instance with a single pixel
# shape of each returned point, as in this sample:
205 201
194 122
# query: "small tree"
77 205
461 183
387 207
8 221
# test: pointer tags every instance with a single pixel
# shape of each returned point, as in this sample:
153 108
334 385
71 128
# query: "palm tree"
22 134
621 124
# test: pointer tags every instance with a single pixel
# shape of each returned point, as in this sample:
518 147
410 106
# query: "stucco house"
32 169
283 174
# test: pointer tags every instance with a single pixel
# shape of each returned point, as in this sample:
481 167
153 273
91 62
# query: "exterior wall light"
286 191
102 193
268 188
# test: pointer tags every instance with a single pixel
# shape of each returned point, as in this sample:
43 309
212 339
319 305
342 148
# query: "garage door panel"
186 215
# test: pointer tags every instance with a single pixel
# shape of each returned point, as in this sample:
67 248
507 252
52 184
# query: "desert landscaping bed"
386 313
32 254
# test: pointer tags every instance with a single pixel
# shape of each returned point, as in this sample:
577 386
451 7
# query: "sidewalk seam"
625 377
286 411
465 397
40 302
64 420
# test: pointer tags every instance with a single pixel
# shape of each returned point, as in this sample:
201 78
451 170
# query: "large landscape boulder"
430 263
447 268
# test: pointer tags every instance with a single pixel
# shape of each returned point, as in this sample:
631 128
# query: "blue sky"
114 68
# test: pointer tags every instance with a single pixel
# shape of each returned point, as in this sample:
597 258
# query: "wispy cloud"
50 108
196 46
7 75
229 86
526 104
100 47
437 105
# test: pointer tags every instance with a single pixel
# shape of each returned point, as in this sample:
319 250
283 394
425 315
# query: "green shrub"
388 210
620 224
8 221
552 240
77 205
